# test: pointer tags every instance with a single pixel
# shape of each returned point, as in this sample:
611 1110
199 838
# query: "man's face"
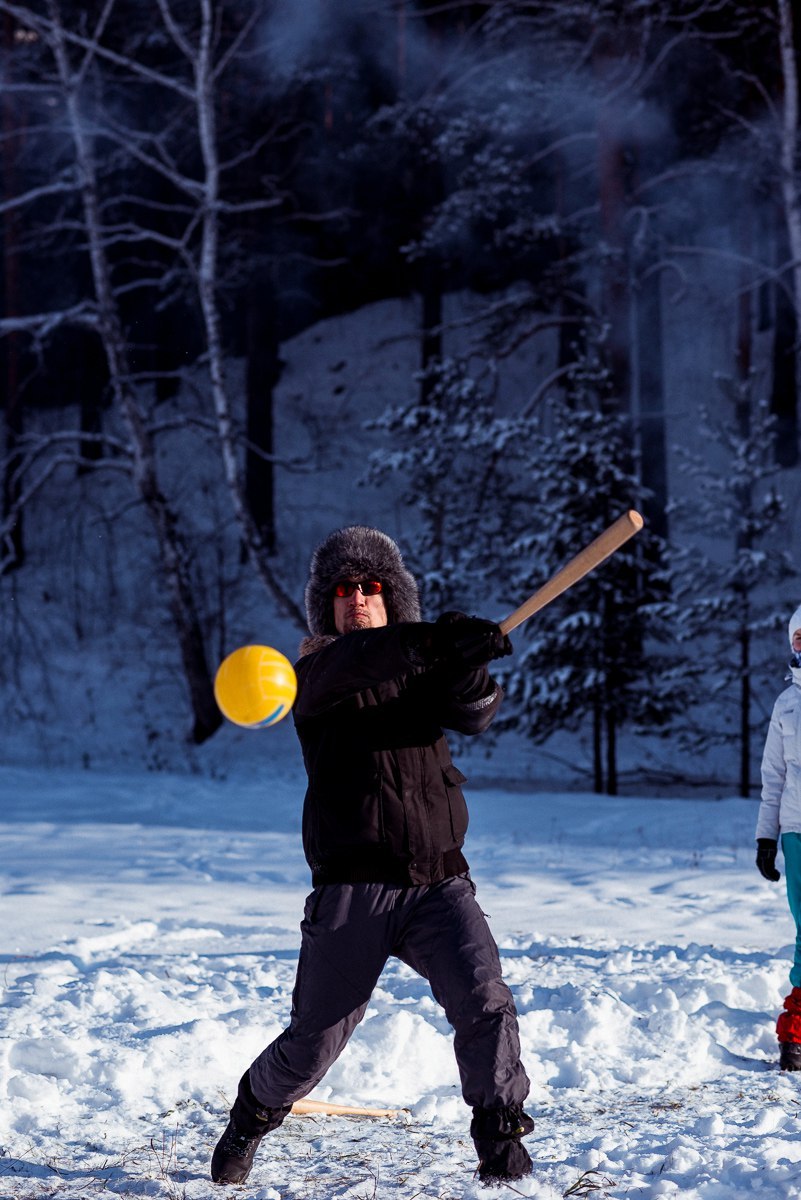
358 610
797 641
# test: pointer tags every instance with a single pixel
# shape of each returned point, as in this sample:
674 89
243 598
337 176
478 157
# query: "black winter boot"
790 1056
234 1153
496 1133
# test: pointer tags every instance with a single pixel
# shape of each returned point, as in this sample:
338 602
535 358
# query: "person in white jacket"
780 816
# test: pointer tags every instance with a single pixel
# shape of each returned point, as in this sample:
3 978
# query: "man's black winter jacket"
384 802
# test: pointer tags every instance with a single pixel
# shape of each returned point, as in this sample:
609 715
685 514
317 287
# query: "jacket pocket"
312 904
791 737
453 779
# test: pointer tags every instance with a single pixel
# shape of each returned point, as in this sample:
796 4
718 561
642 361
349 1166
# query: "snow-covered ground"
149 942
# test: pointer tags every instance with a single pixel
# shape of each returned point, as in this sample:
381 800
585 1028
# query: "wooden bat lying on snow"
303 1107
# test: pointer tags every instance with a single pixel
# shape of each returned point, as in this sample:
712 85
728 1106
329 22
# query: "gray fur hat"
359 552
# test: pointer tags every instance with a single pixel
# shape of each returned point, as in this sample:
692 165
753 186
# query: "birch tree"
203 58
205 65
9 146
171 545
177 242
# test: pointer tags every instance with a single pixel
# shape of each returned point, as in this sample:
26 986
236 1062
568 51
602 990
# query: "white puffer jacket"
780 810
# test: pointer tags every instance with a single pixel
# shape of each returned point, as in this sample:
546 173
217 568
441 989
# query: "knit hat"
359 552
795 623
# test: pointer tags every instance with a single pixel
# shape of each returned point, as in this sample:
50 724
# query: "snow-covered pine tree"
587 660
505 502
731 577
456 457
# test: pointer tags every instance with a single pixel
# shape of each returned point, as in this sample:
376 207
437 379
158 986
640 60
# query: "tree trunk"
12 553
745 541
611 749
171 546
614 166
263 373
207 292
791 196
597 748
612 646
400 12
93 380
431 331
785 380
745 711
650 388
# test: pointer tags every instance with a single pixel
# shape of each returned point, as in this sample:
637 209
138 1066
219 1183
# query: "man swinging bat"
384 823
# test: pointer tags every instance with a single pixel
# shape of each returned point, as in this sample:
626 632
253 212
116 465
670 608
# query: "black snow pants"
348 933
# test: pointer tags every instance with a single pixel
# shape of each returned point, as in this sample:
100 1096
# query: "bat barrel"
585 561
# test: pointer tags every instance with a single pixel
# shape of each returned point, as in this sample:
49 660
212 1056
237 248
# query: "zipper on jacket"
429 846
382 832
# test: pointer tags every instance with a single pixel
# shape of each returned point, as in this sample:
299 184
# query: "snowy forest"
485 275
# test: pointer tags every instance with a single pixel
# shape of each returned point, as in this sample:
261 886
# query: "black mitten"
766 858
468 641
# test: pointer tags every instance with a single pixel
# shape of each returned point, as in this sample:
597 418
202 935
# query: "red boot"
788 1031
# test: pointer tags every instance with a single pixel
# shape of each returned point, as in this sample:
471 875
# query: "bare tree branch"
60 187
41 325
53 30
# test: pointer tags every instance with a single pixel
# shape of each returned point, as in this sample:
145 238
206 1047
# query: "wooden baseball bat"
585 561
304 1107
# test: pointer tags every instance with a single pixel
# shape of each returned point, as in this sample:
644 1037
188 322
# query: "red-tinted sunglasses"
367 587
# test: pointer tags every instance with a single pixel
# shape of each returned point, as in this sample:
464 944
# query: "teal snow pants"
791 848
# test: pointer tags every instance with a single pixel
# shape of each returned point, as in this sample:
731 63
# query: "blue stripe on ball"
274 716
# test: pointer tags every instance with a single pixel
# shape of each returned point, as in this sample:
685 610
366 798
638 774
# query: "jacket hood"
795 623
359 552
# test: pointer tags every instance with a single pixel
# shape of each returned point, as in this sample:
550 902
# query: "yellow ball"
255 686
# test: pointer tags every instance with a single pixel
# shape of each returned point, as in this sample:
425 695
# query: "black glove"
766 858
468 641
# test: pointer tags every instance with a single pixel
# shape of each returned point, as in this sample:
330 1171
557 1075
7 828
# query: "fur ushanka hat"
359 552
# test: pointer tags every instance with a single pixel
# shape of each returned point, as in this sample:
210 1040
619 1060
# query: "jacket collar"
316 642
